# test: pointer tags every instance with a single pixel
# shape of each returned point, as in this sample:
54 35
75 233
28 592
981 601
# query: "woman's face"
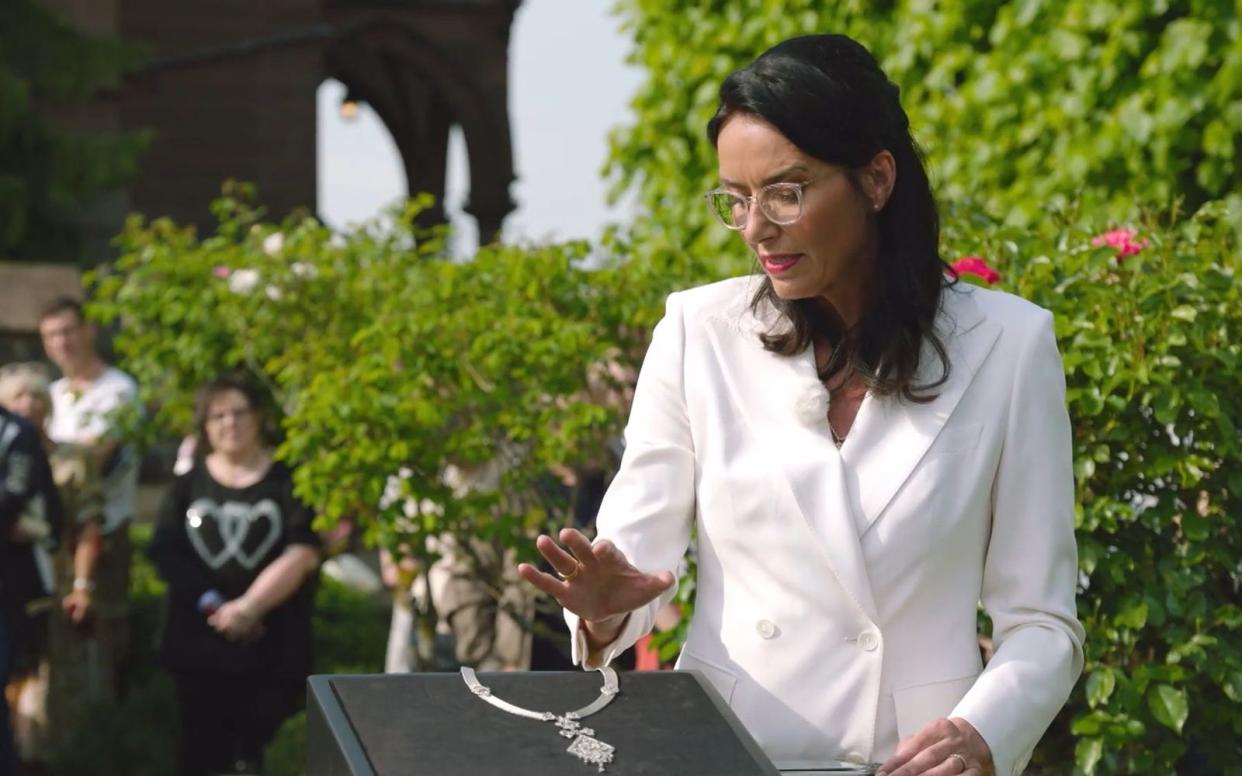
232 424
827 251
29 405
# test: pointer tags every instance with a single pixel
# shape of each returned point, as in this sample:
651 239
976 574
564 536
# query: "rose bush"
1151 340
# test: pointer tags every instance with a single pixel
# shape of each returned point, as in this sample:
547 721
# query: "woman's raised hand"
596 581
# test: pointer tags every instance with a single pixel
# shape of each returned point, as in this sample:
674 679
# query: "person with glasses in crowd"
864 449
239 555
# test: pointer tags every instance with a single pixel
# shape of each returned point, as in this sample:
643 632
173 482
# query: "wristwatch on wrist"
84 584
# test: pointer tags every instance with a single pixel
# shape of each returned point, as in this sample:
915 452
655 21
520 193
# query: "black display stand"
430 724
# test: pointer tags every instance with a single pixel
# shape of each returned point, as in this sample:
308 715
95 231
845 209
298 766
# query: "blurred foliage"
1020 106
49 173
386 360
1152 347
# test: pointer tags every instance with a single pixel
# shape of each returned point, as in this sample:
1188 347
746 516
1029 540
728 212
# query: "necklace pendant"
585 746
592 751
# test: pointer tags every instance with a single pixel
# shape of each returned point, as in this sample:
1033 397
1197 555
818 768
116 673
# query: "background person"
87 403
66 677
238 553
25 478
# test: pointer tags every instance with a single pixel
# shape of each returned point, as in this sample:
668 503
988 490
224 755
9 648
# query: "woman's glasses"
240 413
781 204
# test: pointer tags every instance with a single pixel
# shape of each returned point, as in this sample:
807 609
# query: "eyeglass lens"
781 204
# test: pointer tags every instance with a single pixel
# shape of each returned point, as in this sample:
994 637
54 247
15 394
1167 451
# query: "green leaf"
1089 724
1100 686
1229 615
1195 527
1168 705
1233 686
1134 615
1087 754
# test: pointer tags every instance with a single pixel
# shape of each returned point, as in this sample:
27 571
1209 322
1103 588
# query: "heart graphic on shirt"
235 524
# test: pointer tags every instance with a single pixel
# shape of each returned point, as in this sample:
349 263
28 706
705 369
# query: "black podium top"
662 722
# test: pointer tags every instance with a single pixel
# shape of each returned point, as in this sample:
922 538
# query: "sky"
568 86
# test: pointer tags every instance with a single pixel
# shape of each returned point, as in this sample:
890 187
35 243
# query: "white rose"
243 281
274 243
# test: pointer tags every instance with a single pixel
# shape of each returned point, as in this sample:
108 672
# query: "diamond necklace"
585 746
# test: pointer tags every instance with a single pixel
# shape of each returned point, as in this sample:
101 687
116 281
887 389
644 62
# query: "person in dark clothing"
238 553
27 493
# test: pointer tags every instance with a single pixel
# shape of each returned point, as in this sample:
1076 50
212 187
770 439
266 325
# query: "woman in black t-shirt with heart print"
239 556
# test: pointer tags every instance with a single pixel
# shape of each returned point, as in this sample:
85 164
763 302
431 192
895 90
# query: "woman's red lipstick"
777 263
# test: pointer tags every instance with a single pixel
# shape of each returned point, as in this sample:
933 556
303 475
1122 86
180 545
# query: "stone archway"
229 92
420 88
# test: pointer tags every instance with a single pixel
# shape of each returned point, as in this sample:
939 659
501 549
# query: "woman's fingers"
594 581
939 749
648 587
565 564
662 581
545 582
579 545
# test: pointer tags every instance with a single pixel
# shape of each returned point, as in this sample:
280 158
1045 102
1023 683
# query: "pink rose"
1124 240
222 272
974 265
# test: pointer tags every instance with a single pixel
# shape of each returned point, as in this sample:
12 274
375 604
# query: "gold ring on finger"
573 574
961 760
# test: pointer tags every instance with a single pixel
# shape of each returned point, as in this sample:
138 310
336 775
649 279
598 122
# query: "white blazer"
838 589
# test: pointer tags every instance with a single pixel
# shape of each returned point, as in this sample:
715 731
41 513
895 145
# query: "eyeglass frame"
753 199
235 414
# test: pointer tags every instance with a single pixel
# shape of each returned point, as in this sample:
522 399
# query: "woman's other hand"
236 620
944 747
595 582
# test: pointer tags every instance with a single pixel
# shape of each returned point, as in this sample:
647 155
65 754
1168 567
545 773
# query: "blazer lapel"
785 407
890 436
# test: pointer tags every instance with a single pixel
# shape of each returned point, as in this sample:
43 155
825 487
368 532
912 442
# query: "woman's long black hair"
829 97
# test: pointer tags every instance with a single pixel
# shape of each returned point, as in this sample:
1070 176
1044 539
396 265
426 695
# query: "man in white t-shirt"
86 405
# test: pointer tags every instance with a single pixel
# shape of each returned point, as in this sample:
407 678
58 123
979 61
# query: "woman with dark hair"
865 450
237 551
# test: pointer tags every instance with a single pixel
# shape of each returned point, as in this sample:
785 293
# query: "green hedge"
1021 106
1152 345
383 356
